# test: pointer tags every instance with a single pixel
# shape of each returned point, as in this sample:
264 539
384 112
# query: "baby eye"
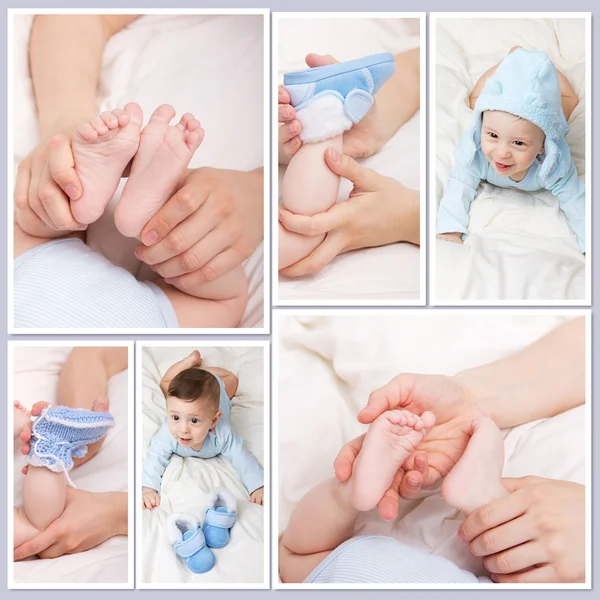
493 135
519 143
175 418
195 421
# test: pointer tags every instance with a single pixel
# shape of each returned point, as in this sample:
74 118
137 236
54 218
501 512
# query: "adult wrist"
120 512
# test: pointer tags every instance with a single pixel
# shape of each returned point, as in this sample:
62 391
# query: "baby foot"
475 479
164 153
22 418
390 440
102 149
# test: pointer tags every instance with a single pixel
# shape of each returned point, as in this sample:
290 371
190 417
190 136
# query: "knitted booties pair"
193 542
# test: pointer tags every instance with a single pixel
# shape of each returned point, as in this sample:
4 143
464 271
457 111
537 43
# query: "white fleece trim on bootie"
221 497
174 534
323 118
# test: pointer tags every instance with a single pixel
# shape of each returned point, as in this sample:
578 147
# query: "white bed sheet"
520 246
388 272
36 375
196 63
317 414
187 481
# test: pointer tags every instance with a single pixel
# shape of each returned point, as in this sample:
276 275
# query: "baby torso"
65 284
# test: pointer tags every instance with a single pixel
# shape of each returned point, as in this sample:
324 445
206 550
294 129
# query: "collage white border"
421 16
433 17
12 344
265 328
139 390
278 585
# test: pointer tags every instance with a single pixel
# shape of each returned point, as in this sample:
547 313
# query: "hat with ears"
526 85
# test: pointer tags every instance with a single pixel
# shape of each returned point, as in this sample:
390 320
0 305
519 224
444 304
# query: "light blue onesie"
380 559
526 85
220 440
65 284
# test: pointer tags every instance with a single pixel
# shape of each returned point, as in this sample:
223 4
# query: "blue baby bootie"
60 433
187 539
220 518
330 99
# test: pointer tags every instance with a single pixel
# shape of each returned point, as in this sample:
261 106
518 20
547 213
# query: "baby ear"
215 419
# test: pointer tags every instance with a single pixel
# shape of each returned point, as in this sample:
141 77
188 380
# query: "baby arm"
230 381
193 360
309 187
244 462
156 461
570 191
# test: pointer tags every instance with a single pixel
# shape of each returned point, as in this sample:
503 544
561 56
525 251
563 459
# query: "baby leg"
475 479
219 303
44 496
323 519
309 187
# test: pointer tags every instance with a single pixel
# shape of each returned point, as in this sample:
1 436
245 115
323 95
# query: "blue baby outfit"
380 559
60 433
219 440
65 284
526 85
330 99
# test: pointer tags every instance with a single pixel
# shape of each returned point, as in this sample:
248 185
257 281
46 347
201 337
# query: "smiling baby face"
510 144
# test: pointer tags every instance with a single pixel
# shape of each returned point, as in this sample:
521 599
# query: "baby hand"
257 496
150 498
451 237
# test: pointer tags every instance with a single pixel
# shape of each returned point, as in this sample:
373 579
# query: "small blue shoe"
220 518
330 99
186 537
61 433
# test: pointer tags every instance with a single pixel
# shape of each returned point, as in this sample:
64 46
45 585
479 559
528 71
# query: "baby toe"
98 124
109 120
164 113
122 117
87 132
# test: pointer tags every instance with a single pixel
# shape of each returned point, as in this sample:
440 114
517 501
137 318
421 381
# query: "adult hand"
209 226
363 139
89 519
379 211
536 534
455 409
46 181
100 405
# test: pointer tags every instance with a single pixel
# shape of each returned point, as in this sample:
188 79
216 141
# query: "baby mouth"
502 166
185 440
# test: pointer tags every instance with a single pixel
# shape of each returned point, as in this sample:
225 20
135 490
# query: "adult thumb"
344 166
512 484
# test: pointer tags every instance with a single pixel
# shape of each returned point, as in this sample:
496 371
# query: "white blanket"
209 65
36 374
187 481
509 254
387 272
347 357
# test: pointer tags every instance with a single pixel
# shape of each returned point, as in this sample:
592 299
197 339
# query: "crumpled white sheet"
187 481
36 377
386 272
317 414
197 63
520 245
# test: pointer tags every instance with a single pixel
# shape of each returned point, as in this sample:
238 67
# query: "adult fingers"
289 131
21 195
179 207
414 479
503 537
283 96
339 215
62 166
493 514
317 260
286 113
342 465
388 397
35 202
37 544
543 574
38 407
320 60
344 166
512 484
389 503
56 204
195 257
516 559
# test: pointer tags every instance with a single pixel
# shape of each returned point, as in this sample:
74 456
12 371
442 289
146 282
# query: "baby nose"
504 150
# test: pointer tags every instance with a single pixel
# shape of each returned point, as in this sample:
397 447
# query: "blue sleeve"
570 191
157 458
461 189
247 467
